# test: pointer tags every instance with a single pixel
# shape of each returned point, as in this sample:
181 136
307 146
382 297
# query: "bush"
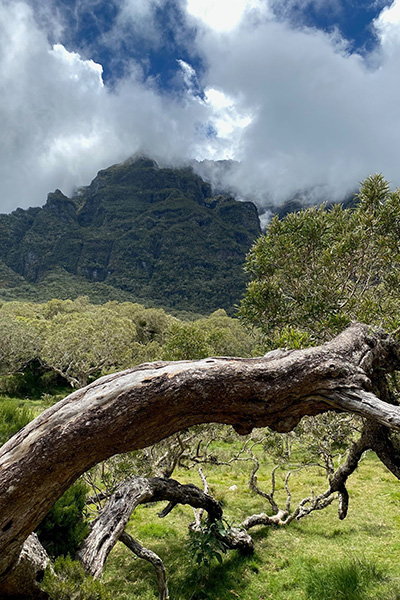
64 527
12 418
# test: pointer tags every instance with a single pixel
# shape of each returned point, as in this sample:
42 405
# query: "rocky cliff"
156 234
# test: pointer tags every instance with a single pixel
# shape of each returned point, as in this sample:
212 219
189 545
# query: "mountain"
137 232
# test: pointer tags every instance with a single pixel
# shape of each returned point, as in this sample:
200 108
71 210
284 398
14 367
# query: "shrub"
64 527
12 418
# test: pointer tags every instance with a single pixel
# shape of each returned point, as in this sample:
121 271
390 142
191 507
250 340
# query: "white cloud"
388 25
60 124
74 66
226 120
189 76
322 119
293 106
138 16
220 15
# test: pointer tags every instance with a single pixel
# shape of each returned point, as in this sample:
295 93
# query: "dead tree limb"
138 407
337 485
153 559
107 529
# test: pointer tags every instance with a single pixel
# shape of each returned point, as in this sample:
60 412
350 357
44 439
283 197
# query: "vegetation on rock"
138 232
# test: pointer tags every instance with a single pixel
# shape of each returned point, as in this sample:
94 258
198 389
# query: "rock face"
155 233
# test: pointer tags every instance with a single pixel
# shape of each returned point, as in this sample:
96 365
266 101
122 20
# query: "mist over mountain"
137 232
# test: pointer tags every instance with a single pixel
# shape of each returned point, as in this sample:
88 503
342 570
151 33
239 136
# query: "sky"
304 95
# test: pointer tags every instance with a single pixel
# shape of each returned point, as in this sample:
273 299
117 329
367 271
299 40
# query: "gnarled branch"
138 407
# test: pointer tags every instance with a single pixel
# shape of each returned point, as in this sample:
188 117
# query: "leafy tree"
19 343
82 344
217 335
316 270
152 324
186 342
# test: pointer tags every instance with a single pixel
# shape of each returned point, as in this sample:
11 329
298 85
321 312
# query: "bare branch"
153 559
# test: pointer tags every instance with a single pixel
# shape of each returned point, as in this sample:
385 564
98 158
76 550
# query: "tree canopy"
315 271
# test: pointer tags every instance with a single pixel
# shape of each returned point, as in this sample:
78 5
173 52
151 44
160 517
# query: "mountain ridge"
156 234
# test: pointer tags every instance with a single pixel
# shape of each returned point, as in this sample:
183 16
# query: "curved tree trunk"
138 407
108 527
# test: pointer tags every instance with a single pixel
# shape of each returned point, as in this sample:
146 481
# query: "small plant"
12 418
207 545
67 581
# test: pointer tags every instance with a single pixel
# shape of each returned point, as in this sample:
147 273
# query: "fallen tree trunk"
138 407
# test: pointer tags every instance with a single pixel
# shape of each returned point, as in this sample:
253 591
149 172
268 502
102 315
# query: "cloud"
60 124
220 16
388 25
49 105
322 119
293 105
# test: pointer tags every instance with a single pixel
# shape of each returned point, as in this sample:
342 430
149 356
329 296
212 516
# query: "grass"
319 557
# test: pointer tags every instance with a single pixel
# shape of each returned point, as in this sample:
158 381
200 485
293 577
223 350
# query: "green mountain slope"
151 234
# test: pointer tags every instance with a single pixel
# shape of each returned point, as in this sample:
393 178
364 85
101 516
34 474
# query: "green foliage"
206 546
12 418
69 582
18 342
186 342
75 341
33 382
316 270
349 579
64 527
80 344
217 335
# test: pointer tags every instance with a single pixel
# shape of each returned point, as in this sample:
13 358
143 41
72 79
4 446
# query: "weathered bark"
141 406
28 573
107 529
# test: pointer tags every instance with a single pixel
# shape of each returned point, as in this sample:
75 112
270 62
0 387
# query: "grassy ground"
319 557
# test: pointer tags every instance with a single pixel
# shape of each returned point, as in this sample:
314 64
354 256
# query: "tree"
81 344
317 270
19 343
343 261
216 335
138 407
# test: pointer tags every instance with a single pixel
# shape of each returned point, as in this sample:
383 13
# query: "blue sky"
303 94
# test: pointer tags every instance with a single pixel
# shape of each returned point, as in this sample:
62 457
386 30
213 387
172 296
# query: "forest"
260 461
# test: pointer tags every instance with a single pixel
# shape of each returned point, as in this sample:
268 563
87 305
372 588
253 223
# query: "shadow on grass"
128 577
224 581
